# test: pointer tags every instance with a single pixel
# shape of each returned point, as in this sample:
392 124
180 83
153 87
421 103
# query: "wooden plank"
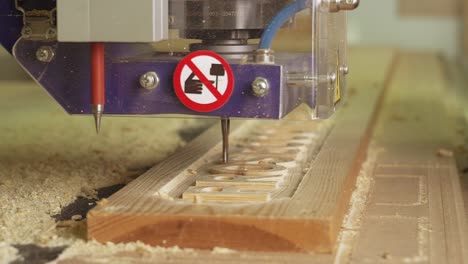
306 218
416 203
430 8
457 76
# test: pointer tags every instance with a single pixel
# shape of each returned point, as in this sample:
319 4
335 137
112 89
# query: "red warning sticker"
203 81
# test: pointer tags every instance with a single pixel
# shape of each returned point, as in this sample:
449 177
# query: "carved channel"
266 163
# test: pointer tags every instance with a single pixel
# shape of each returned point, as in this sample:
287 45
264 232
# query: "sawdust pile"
352 221
98 250
7 253
48 157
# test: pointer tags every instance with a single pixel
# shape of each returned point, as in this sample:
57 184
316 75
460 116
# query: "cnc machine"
192 57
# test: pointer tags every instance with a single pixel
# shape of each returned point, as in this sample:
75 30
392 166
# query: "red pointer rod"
98 82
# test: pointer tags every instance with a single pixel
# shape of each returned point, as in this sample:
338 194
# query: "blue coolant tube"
278 21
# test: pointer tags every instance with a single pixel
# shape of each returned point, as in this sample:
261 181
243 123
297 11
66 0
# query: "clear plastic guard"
310 46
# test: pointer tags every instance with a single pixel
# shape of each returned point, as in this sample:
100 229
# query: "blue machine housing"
11 21
67 76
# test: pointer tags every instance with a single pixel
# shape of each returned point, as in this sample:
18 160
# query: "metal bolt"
332 78
51 33
26 31
45 54
264 56
149 80
344 69
260 86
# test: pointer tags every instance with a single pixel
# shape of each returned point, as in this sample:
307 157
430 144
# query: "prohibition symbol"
203 81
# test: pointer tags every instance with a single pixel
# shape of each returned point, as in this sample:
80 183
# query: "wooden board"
430 8
416 203
306 219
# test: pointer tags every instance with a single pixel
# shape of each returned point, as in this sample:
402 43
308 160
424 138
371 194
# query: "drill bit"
97 113
225 127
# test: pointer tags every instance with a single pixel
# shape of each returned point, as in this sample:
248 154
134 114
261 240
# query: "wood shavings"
445 153
89 193
386 256
48 158
221 250
103 202
68 224
81 248
359 198
416 259
77 218
7 253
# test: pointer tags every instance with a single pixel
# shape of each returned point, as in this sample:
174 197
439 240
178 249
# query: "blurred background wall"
430 25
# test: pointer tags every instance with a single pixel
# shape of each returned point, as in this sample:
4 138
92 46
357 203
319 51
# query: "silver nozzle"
97 110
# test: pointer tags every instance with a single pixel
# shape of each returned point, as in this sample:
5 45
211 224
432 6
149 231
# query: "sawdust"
76 218
97 249
221 250
7 253
103 202
415 259
353 219
444 153
89 193
48 158
386 256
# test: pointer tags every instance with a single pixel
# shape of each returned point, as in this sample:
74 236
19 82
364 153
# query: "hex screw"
332 78
344 69
51 33
45 54
260 86
26 31
149 80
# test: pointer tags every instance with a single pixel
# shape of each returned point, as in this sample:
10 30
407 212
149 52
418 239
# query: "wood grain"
305 220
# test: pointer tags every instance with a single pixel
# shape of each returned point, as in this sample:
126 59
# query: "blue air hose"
278 21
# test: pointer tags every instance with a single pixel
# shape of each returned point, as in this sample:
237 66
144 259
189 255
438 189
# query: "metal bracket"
38 24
